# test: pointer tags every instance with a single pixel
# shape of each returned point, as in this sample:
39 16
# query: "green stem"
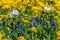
32 36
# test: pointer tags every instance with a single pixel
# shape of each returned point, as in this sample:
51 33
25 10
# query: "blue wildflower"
17 26
33 24
36 19
52 22
45 24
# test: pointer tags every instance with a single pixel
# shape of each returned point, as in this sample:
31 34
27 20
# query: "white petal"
15 12
47 7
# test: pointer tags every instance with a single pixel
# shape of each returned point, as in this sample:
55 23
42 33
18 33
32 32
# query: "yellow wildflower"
8 13
6 7
59 21
7 1
14 4
45 10
37 0
26 1
1 3
4 1
2 16
58 26
11 3
58 38
41 4
0 38
22 8
1 35
36 14
33 16
6 16
17 1
58 13
53 8
58 33
56 1
58 5
8 29
5 39
0 19
36 9
34 29
25 15
26 21
32 1
21 38
30 4
55 17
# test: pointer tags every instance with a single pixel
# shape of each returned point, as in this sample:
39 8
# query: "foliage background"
29 19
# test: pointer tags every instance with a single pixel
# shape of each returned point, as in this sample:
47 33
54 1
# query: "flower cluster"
29 19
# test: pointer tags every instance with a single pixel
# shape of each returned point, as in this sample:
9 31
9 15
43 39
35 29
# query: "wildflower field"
29 19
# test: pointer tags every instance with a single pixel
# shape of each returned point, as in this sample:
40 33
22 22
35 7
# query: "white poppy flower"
47 7
14 12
